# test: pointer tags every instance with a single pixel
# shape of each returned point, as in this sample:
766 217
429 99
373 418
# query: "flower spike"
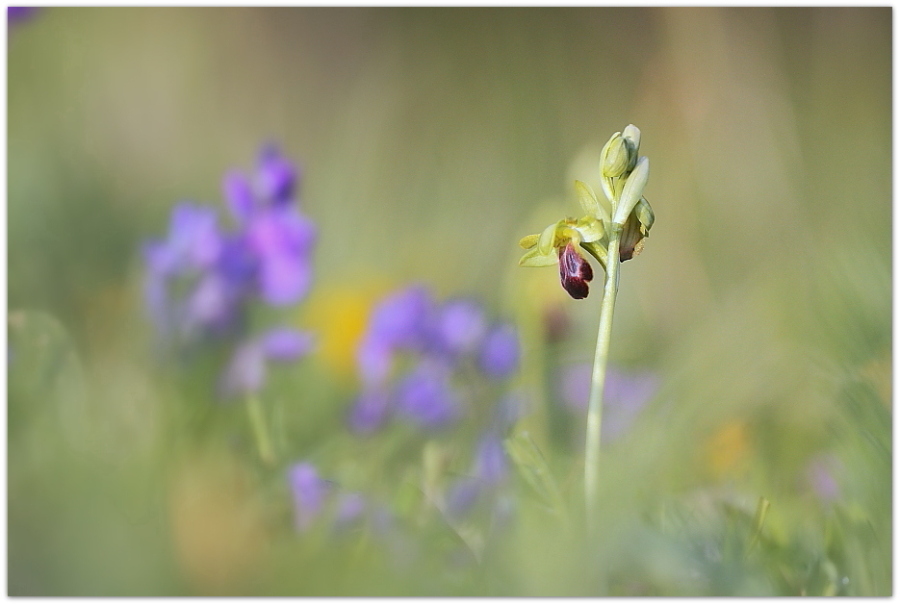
611 238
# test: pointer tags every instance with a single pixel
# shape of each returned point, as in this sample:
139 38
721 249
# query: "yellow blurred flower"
728 449
339 314
217 523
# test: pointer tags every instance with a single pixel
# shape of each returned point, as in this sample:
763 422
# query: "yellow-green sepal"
548 237
589 202
534 258
530 241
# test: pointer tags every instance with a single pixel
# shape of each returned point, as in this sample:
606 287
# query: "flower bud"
632 136
615 157
644 214
631 242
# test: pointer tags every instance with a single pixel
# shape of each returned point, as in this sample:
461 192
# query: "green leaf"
762 507
533 468
45 373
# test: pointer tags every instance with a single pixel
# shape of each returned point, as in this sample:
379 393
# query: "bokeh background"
430 141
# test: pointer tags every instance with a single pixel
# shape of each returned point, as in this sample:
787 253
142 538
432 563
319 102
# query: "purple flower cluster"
484 482
202 279
311 494
413 354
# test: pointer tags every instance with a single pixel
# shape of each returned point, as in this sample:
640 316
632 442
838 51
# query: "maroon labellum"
574 271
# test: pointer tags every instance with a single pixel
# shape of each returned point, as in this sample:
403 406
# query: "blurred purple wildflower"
246 371
500 353
462 496
426 397
375 360
398 323
821 478
202 280
277 177
194 242
369 412
315 498
489 470
401 320
413 353
491 465
350 508
459 327
19 14
309 492
187 296
624 396
278 237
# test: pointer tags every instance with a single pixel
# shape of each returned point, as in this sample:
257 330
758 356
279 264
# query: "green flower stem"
598 378
260 430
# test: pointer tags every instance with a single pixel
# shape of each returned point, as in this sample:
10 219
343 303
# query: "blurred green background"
431 140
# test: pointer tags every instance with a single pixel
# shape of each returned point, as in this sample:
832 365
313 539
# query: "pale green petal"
590 229
632 134
633 190
548 235
533 258
529 241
